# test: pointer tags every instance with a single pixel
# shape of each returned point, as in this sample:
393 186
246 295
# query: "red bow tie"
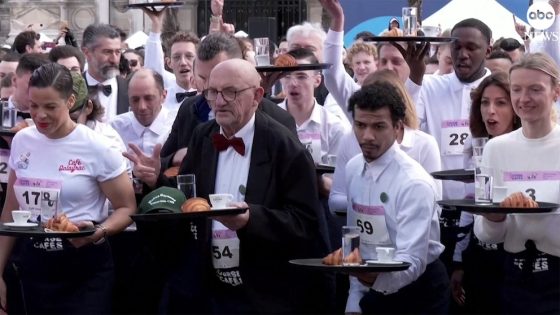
221 143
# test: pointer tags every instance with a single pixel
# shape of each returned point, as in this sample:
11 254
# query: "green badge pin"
384 197
242 189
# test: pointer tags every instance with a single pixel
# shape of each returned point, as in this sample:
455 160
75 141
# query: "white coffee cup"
499 193
21 217
220 201
385 254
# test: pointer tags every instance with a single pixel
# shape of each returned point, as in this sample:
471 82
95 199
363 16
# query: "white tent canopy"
498 18
136 40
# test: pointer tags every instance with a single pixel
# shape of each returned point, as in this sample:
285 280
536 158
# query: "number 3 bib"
539 185
453 136
371 221
28 192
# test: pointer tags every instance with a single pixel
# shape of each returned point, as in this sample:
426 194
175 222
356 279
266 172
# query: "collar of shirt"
408 138
315 114
457 85
375 168
158 126
91 81
246 133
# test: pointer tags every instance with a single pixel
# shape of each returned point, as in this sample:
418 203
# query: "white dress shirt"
108 102
404 194
417 144
232 182
146 138
171 99
443 108
326 126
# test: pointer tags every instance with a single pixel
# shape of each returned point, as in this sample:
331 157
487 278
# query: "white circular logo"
540 15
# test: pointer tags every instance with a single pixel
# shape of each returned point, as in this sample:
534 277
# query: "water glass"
409 17
483 184
262 51
9 115
350 241
478 148
49 204
187 184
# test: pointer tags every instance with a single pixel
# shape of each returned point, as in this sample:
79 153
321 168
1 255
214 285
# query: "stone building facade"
45 15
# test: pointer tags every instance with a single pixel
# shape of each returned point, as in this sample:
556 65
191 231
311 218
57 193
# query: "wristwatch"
216 19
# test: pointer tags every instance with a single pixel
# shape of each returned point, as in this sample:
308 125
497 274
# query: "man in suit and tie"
242 260
101 45
214 49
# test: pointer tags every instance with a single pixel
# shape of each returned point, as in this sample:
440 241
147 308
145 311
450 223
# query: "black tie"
182 95
106 89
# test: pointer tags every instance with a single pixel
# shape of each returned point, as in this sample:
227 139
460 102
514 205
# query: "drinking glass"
262 51
478 148
49 204
350 241
187 184
409 17
483 183
9 115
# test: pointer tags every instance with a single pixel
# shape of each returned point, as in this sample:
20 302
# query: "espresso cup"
21 217
385 254
220 201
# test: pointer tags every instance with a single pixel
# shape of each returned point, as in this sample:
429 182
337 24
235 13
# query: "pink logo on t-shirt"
73 165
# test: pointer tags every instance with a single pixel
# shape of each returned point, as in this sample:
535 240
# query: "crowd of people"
107 129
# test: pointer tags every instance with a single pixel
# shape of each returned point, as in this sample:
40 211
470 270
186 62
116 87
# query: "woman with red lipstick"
526 160
77 164
477 279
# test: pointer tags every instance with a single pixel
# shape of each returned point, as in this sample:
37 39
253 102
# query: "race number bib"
29 191
312 142
539 185
225 249
454 133
4 169
371 222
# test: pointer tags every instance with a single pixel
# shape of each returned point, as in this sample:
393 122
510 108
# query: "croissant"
195 205
62 224
285 60
335 258
519 200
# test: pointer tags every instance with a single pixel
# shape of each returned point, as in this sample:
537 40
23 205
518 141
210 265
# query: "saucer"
222 208
391 262
25 225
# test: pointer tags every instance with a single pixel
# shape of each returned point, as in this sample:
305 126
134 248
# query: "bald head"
234 93
239 68
145 95
147 73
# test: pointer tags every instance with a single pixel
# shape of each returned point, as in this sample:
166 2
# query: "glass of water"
49 205
9 115
409 16
262 51
350 241
478 147
187 184
483 183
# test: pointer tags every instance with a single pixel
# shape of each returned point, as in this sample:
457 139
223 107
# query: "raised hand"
146 168
414 56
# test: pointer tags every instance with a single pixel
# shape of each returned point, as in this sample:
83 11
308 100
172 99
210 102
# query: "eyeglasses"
228 95
132 62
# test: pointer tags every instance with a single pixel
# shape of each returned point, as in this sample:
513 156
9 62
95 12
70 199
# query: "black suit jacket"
122 94
286 219
187 120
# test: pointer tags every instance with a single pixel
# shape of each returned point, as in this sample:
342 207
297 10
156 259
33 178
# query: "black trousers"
60 279
429 294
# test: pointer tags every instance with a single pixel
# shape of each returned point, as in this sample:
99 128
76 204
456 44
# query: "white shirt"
146 138
410 212
418 145
231 182
79 161
170 102
443 102
108 102
323 123
154 59
531 166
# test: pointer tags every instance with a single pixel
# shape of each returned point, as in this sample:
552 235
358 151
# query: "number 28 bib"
453 136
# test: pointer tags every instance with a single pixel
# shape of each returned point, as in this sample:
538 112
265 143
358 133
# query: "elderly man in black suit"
101 45
244 258
214 49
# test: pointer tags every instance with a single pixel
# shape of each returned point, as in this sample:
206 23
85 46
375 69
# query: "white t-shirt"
531 166
396 190
443 108
321 133
78 162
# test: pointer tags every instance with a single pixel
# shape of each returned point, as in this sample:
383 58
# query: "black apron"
58 278
532 282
